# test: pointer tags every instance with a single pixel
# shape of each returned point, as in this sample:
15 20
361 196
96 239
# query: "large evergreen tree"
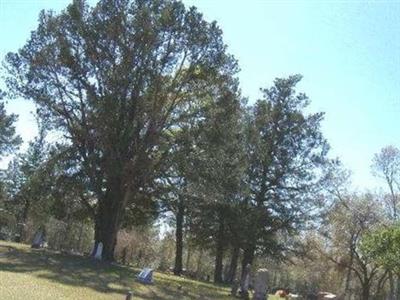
203 169
220 163
287 156
115 79
28 183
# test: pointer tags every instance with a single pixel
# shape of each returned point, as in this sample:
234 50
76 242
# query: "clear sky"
347 51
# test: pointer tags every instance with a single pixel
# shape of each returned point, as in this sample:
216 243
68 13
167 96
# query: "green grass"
42 274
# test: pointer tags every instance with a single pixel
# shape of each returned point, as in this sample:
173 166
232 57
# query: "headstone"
99 251
244 283
260 284
38 240
146 276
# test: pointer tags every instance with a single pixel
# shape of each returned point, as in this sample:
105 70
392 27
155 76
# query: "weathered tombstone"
244 283
260 284
39 239
146 276
99 251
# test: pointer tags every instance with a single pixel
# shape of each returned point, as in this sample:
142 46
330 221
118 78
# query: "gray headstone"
99 251
146 276
260 284
38 240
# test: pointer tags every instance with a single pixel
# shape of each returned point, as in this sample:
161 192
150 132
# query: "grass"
42 274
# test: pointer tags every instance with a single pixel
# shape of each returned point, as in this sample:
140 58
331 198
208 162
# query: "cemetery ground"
27 273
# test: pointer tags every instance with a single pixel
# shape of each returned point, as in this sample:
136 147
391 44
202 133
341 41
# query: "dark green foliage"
8 139
144 97
116 79
201 171
219 163
287 156
28 184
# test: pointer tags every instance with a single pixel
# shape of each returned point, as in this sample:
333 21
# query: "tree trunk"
188 256
22 223
107 222
125 255
347 293
106 233
199 264
365 291
179 239
391 286
381 293
248 256
219 251
233 264
79 243
397 287
247 260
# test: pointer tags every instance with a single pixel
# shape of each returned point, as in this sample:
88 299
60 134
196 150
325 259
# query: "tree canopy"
116 79
8 138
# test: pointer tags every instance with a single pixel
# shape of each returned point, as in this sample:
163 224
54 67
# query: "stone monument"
260 284
39 239
146 276
99 251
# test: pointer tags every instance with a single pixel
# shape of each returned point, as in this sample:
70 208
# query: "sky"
347 51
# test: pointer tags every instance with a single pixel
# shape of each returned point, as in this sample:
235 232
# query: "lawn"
41 274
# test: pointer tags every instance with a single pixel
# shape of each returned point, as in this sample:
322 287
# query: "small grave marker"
146 276
39 239
99 251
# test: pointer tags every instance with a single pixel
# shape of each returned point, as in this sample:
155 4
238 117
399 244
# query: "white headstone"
99 251
260 284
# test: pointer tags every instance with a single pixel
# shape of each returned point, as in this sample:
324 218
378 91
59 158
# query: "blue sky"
347 51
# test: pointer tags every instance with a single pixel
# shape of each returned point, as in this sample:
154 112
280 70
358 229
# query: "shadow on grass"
70 270
103 277
6 250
